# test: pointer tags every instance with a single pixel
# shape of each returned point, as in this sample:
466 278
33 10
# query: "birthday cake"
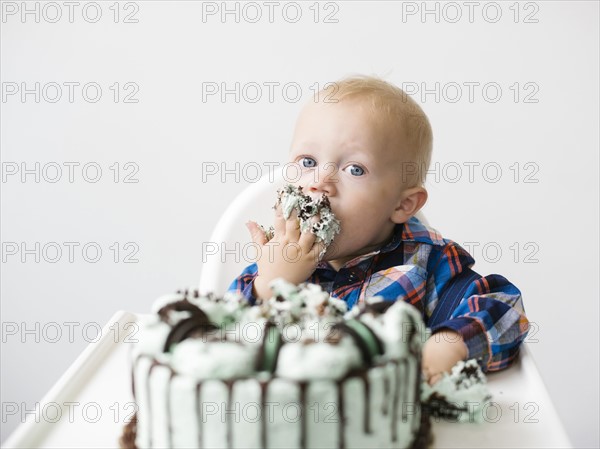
297 370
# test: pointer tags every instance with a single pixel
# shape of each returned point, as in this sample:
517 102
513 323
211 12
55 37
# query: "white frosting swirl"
212 360
299 361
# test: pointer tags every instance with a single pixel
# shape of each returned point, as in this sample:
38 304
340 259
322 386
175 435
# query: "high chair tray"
96 401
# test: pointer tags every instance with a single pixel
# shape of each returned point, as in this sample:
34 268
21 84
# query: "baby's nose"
316 191
323 185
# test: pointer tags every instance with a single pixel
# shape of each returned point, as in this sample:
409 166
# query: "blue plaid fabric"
416 266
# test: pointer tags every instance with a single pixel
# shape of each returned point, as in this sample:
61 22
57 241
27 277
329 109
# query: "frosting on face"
325 228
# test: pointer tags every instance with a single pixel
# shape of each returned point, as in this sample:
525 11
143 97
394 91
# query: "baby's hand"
290 254
441 352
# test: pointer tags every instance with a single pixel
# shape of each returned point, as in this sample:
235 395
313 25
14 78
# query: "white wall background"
551 205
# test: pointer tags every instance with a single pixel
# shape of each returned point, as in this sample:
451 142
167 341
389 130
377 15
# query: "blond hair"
400 111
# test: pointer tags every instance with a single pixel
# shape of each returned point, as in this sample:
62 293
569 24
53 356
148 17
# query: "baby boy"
366 145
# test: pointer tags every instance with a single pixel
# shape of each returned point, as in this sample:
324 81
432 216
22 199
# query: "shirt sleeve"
490 315
244 282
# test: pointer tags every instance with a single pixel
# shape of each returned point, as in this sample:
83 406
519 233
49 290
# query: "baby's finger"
317 248
292 226
257 234
307 240
435 378
279 224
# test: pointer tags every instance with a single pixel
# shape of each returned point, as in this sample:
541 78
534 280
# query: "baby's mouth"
310 206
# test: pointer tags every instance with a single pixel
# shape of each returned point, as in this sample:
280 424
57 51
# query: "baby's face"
342 152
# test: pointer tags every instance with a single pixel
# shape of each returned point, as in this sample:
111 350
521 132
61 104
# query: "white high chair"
103 370
229 249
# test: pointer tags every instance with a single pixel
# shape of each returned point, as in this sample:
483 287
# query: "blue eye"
308 162
356 170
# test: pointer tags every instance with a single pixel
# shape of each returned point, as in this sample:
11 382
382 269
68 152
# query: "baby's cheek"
301 178
365 202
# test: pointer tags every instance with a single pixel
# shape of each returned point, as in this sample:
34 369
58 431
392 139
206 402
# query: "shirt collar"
416 231
412 231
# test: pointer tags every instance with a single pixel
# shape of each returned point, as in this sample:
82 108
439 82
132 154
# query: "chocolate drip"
133 382
199 413
133 367
422 437
359 341
127 439
417 424
340 394
169 417
229 421
367 392
302 386
417 395
395 402
386 393
264 385
404 364
152 366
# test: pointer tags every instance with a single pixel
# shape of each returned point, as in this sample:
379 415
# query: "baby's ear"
410 202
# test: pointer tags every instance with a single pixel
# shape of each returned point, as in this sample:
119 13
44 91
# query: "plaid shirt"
416 266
